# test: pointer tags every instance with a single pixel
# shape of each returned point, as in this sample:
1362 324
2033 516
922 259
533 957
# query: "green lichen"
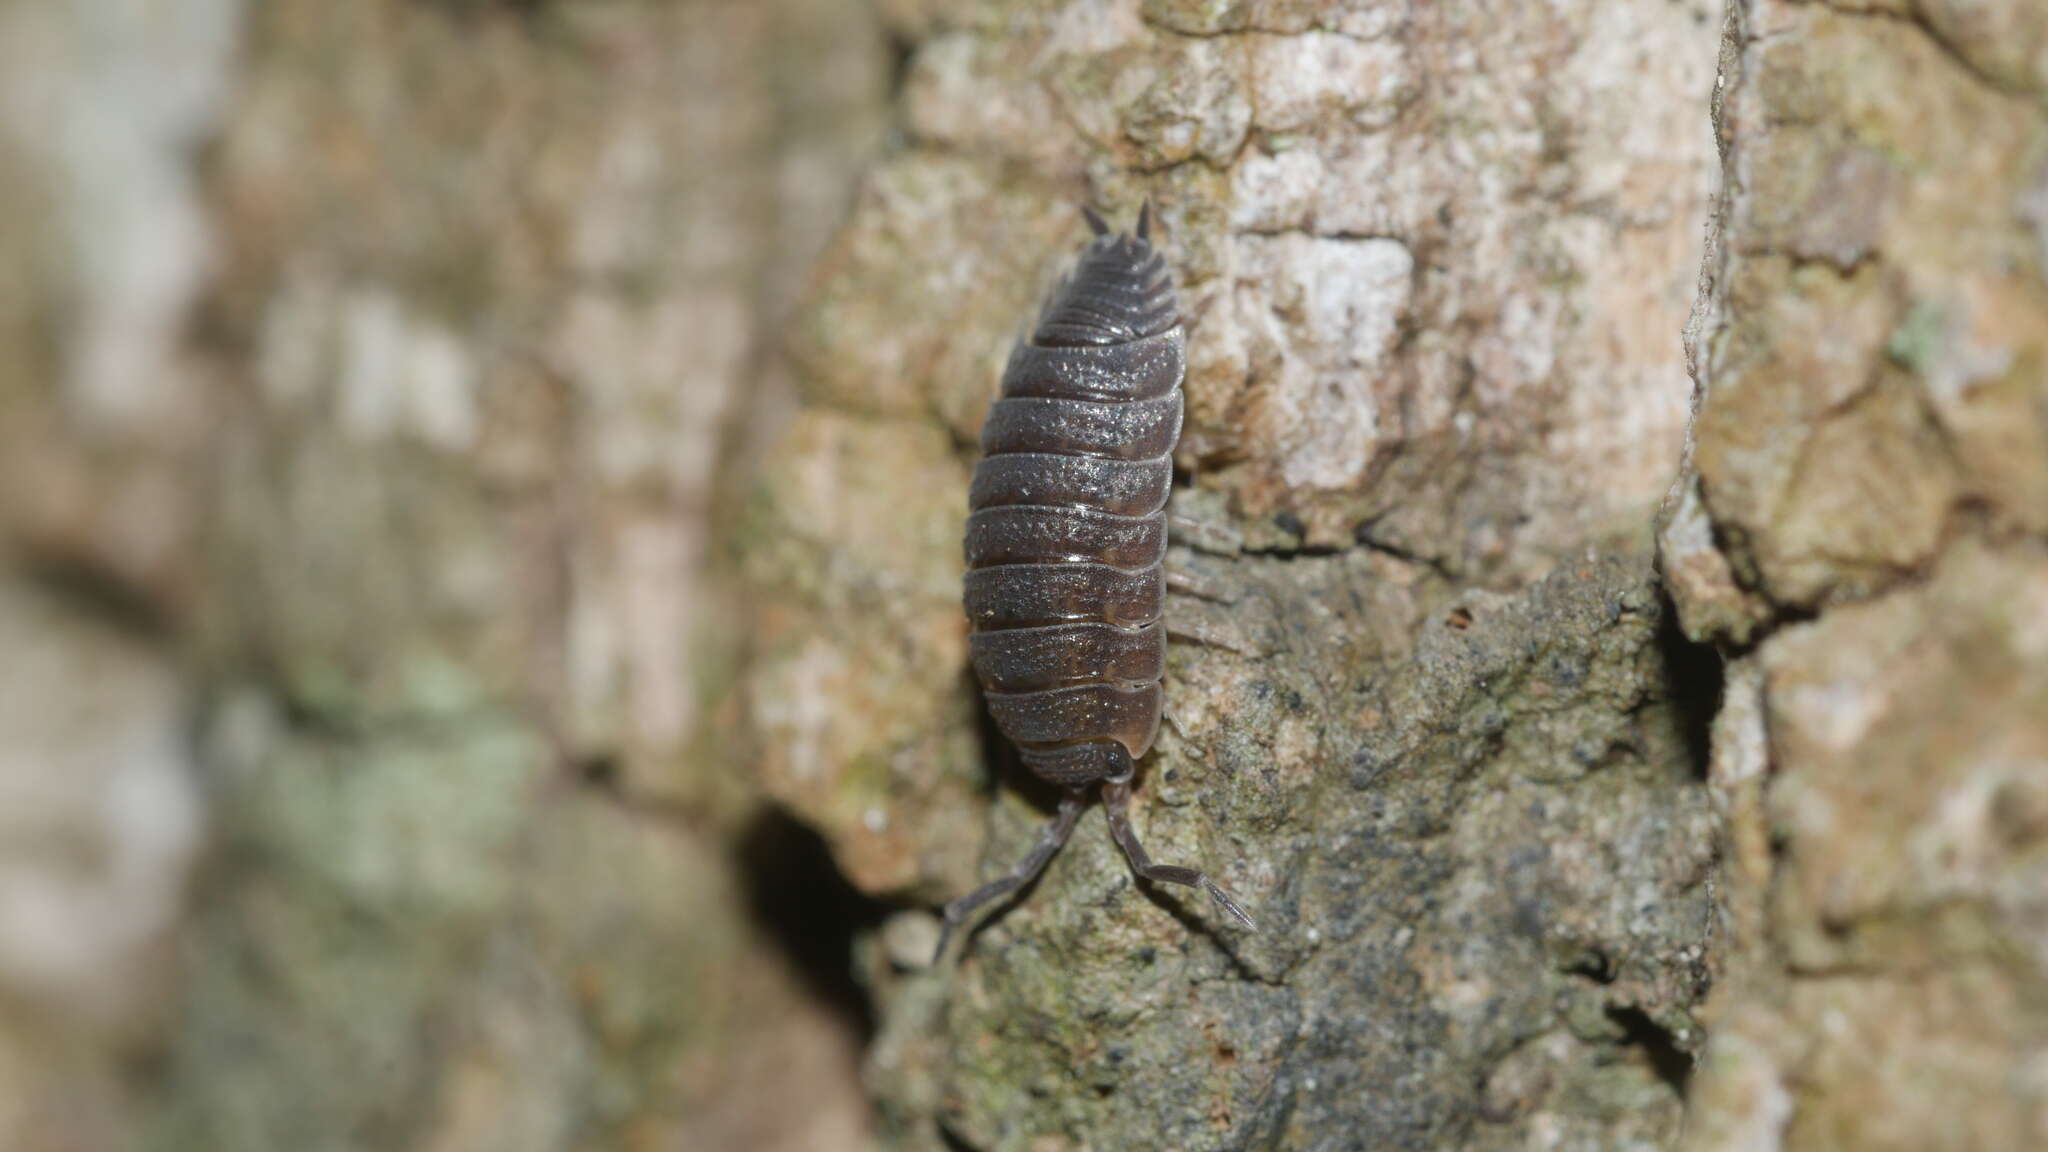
1919 342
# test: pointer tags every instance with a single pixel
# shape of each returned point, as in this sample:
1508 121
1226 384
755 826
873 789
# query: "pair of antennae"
1101 227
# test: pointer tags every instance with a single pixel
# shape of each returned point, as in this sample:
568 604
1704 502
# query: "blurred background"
368 372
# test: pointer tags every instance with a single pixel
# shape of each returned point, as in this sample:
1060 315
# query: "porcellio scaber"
1066 545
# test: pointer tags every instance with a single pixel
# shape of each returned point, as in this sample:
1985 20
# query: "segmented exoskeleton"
1066 541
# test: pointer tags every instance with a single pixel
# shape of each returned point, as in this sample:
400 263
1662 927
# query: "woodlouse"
1066 543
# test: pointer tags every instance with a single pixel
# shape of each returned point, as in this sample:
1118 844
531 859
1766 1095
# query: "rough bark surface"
1424 717
377 370
1864 525
466 493
102 422
481 488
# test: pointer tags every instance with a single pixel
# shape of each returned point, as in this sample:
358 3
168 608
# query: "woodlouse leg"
1116 799
1050 838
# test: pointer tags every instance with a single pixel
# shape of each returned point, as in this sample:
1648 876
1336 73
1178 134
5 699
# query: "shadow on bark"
795 893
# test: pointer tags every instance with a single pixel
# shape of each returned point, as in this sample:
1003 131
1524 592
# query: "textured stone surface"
1862 525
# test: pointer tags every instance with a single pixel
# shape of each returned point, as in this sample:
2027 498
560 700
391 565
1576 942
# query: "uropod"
1066 545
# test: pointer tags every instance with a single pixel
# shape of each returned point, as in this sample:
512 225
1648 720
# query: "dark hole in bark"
1671 1063
1594 965
807 909
469 9
952 1140
101 595
599 770
901 49
1694 677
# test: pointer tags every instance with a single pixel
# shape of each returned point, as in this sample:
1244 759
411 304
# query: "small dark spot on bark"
1289 523
1367 766
600 771
471 9
1594 964
901 50
99 592
952 1140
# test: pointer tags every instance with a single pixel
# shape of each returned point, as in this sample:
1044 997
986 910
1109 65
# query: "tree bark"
482 487
1430 718
380 362
1861 527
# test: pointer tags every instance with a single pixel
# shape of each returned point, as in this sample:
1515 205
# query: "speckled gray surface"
1480 861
